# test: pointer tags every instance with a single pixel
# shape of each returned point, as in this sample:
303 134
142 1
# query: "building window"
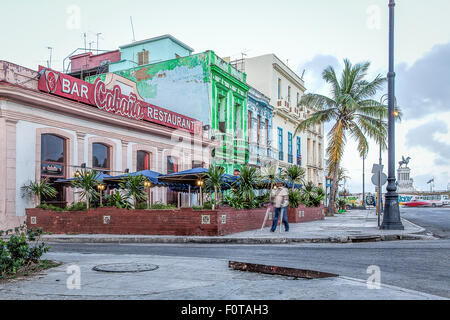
143 160
143 57
289 95
280 144
101 156
249 126
197 164
279 89
53 165
237 121
267 132
258 130
299 152
221 114
52 149
172 164
298 99
290 154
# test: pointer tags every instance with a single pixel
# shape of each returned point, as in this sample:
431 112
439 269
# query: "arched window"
143 160
53 155
53 166
101 156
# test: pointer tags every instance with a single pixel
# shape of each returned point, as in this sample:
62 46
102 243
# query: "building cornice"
292 79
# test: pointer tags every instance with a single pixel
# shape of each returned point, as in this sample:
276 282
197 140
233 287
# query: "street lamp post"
391 216
148 185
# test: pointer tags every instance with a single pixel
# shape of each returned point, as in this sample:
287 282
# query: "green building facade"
202 86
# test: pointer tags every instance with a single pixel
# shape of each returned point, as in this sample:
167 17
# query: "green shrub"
295 198
162 206
77 206
49 207
21 252
118 200
208 205
312 196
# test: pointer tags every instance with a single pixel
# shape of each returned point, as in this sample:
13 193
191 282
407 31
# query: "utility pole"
391 216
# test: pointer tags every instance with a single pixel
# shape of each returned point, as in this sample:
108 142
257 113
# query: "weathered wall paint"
195 86
159 50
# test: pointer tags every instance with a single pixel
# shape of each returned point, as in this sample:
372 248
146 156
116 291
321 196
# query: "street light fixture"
148 185
200 183
100 188
391 216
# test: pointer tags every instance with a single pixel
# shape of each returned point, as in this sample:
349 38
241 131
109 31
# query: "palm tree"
214 180
39 190
269 174
295 174
354 111
87 181
134 185
249 177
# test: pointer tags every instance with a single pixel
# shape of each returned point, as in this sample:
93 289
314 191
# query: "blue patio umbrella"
152 176
100 177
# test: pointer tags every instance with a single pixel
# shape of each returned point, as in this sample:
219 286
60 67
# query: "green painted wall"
196 86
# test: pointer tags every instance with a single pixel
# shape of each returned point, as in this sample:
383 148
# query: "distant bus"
427 200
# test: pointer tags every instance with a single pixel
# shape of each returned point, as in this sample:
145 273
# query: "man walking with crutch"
280 201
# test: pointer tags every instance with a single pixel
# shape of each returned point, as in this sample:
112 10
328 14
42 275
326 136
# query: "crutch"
265 218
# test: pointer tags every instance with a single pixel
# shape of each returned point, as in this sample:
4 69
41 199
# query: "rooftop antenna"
132 28
85 46
49 62
98 34
303 73
90 43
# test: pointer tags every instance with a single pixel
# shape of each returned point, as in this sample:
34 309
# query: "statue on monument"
404 161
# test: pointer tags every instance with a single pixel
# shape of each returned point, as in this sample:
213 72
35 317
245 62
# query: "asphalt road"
417 265
434 220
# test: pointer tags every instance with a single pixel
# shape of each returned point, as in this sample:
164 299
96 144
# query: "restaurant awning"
100 177
152 176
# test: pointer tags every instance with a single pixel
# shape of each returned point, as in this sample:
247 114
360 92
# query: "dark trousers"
285 218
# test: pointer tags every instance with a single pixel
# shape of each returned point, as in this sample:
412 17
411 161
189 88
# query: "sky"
307 35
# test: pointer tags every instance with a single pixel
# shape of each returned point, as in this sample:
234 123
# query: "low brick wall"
177 222
305 214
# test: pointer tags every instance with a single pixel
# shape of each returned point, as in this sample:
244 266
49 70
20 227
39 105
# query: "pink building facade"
43 134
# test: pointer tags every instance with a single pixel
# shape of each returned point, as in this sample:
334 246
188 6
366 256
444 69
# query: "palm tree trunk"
331 210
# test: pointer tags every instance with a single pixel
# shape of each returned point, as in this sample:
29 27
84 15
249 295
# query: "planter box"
305 214
173 222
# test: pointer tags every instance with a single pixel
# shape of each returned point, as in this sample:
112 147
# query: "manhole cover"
125 267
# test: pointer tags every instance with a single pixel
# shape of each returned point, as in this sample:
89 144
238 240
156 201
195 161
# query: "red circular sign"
51 81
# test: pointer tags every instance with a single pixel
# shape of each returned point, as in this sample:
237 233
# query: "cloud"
424 87
313 72
424 136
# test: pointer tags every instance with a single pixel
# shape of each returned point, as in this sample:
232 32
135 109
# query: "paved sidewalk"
353 226
186 278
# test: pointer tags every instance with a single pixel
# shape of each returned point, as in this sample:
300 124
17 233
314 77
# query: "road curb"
211 240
